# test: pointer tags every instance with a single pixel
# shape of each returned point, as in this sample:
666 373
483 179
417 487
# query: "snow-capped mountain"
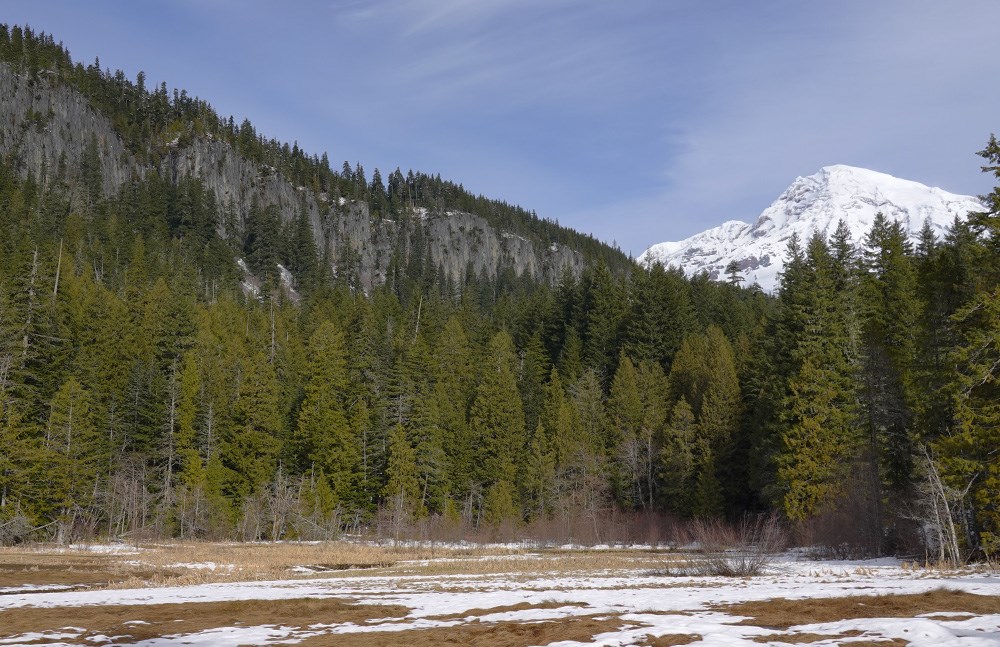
812 204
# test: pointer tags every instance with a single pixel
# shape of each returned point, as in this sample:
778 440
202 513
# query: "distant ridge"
815 203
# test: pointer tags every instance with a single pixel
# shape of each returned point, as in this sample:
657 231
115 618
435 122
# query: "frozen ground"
641 603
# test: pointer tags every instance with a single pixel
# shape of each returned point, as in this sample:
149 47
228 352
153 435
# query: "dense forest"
144 392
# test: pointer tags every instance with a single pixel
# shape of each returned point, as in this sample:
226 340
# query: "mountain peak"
811 204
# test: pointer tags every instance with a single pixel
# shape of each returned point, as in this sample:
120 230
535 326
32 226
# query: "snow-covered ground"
646 603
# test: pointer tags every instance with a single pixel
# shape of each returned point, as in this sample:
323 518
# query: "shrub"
744 549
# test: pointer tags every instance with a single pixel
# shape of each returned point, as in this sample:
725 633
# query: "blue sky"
638 121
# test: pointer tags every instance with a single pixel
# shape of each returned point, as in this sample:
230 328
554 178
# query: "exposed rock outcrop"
44 125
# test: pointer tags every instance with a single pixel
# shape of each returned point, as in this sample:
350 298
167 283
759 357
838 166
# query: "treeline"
144 394
151 120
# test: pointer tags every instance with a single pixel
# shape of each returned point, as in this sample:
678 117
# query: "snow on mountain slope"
812 204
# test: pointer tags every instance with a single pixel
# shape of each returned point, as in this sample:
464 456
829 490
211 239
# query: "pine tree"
534 368
250 448
888 325
625 413
557 421
968 449
677 459
497 424
429 442
402 483
819 436
590 418
188 458
603 318
75 454
537 480
323 435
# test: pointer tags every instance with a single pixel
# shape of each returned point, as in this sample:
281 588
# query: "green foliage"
820 435
402 482
496 420
323 437
143 391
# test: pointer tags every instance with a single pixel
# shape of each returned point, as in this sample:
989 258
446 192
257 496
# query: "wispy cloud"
898 87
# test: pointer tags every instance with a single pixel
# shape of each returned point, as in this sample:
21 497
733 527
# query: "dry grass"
521 606
783 613
119 621
271 558
185 564
802 638
42 568
172 564
537 563
492 634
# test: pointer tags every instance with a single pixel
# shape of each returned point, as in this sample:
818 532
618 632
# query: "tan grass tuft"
169 619
520 606
800 638
784 613
492 634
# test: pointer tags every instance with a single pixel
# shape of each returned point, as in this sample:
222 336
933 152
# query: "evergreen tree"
402 483
625 411
889 319
250 449
537 480
323 435
677 460
820 437
497 424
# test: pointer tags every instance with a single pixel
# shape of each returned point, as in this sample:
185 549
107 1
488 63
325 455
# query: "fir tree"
497 424
322 433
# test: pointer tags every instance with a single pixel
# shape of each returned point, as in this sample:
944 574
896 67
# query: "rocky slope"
815 203
45 125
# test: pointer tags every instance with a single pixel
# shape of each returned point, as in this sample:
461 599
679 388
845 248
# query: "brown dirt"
669 640
952 618
492 634
520 606
164 619
796 639
782 613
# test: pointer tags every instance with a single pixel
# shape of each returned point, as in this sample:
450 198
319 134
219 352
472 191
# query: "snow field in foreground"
646 603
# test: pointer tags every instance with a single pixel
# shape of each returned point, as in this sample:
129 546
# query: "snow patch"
115 549
287 280
249 289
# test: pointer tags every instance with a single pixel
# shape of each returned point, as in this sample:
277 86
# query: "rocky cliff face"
43 125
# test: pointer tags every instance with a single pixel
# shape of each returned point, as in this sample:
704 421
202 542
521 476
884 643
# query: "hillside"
57 112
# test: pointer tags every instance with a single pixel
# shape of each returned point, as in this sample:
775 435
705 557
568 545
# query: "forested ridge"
145 393
153 121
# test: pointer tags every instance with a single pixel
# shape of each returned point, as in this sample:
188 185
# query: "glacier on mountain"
815 203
